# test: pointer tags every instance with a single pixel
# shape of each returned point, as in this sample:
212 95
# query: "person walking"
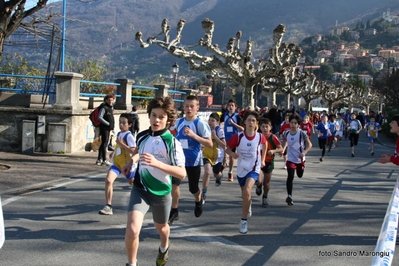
159 156
106 118
135 127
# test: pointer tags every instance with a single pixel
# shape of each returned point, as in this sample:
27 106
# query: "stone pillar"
124 102
67 91
162 90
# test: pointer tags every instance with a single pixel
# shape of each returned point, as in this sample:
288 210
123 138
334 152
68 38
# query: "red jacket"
395 157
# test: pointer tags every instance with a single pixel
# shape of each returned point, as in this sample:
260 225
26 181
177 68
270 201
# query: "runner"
192 132
273 146
372 129
249 144
354 126
232 125
295 141
213 157
323 132
159 157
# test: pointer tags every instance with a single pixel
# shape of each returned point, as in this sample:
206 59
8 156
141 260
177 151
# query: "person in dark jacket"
135 128
106 118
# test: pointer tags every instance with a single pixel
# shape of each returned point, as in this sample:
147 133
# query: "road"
339 206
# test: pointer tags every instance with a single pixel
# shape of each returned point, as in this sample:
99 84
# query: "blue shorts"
252 174
372 139
118 171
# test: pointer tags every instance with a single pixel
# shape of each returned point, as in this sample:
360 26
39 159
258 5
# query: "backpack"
94 116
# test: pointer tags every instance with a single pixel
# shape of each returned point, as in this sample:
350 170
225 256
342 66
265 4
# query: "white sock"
163 250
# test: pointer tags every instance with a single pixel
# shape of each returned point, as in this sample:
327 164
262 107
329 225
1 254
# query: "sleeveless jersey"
216 153
121 156
191 147
295 145
229 129
249 152
165 148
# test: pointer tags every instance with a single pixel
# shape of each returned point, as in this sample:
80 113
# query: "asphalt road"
339 206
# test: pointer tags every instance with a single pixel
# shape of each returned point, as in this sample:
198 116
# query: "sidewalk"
21 172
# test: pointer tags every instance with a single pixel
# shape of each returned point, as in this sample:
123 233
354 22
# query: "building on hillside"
353 46
337 31
367 79
377 64
385 53
354 35
339 77
370 32
337 46
359 52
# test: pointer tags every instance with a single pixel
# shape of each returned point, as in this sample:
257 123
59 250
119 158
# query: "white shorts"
339 134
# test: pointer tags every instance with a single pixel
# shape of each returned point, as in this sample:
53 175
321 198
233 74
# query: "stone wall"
79 131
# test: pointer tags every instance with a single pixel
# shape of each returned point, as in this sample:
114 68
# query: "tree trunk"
248 98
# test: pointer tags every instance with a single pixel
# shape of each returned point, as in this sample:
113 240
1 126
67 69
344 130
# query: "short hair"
297 117
167 104
233 101
106 97
128 116
265 121
134 108
396 118
215 116
192 98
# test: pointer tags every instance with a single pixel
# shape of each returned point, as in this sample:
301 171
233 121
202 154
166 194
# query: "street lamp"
175 70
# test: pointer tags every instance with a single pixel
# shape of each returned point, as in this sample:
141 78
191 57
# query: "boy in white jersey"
159 157
192 132
213 157
372 129
341 127
294 142
248 145
125 146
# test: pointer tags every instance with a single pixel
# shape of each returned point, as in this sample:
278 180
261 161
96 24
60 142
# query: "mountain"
104 29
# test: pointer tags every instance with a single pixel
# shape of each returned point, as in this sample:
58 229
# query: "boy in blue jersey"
232 125
372 129
160 156
323 132
192 132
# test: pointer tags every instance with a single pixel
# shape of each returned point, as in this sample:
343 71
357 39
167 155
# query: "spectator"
135 128
106 118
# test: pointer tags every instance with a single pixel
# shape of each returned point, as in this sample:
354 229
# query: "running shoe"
230 175
372 153
289 201
218 181
198 209
106 163
173 216
353 155
162 258
107 210
98 162
265 202
259 189
203 198
243 227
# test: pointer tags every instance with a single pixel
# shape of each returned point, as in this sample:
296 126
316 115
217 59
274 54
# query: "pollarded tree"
334 94
307 87
12 13
233 62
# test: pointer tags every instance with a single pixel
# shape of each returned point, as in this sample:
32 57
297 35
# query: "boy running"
192 132
341 126
354 127
125 146
159 157
213 157
323 132
248 145
232 125
273 146
295 140
372 129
